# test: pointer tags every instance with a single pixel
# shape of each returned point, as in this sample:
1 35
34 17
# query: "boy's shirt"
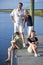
19 42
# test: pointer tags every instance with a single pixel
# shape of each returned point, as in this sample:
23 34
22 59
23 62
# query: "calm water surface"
6 31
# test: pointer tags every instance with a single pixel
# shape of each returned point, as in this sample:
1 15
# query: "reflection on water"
6 31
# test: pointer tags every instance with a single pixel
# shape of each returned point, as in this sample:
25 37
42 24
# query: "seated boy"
33 43
16 44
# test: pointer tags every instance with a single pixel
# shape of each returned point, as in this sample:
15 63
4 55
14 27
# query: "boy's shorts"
19 45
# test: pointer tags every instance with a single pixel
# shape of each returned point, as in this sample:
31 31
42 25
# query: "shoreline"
37 12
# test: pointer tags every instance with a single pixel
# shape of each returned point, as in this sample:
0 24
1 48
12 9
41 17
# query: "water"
38 25
11 4
6 31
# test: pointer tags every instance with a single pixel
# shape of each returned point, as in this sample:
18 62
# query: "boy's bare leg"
9 50
9 54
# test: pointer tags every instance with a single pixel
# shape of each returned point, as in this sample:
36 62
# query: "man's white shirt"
15 14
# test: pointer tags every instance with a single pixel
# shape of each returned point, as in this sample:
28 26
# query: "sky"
11 4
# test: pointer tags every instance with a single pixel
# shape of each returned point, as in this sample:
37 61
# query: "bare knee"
9 49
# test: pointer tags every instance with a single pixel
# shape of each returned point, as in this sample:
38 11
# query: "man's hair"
21 3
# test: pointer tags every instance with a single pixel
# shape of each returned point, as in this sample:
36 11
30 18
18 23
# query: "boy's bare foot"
7 60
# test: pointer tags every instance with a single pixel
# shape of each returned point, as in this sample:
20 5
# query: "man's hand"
14 21
12 18
23 26
18 15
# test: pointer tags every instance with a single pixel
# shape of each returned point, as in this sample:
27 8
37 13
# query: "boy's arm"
13 42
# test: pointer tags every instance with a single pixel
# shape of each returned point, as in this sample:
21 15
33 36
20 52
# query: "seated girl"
33 43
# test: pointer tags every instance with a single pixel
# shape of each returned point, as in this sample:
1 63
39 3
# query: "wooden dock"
22 57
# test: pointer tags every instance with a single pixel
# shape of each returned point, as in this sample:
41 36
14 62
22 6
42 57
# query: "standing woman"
28 19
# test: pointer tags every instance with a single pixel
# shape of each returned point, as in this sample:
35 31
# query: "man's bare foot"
7 60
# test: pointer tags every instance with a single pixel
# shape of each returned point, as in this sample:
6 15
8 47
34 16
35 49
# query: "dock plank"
22 57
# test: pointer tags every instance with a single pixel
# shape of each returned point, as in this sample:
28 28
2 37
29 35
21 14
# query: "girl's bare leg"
34 49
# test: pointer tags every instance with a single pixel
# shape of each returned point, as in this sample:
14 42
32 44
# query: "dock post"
12 54
12 57
32 11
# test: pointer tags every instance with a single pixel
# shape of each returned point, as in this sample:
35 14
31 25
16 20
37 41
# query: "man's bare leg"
23 38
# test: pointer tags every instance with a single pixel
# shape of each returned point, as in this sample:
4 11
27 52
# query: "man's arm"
12 16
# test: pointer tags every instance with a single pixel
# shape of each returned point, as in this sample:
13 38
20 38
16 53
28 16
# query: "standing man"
16 16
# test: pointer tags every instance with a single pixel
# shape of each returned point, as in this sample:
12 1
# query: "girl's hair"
31 32
26 11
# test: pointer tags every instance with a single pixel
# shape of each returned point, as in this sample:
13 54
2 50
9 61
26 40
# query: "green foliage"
37 12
